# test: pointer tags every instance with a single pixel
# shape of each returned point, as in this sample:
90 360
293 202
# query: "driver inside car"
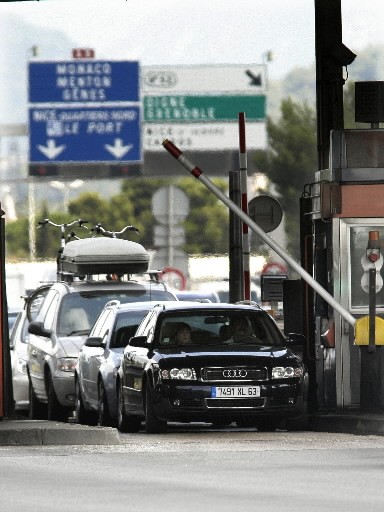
240 329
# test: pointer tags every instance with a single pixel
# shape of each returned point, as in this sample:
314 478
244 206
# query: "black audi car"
216 363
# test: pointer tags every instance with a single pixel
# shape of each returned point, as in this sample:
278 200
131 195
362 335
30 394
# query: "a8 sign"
83 53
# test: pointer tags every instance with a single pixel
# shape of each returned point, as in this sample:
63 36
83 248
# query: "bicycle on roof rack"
63 227
84 258
99 230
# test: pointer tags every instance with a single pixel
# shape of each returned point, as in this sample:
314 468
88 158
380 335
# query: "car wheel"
153 425
104 418
56 412
125 422
82 416
37 410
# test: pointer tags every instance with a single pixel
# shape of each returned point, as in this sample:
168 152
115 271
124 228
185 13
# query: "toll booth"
346 204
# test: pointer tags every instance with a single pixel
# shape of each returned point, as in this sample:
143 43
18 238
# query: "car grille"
233 403
192 403
234 373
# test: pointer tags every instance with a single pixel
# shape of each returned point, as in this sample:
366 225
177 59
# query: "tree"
290 162
206 226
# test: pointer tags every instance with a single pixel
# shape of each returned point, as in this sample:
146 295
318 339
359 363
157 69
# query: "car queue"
102 344
60 314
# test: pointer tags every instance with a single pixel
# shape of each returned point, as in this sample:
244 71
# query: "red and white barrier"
198 173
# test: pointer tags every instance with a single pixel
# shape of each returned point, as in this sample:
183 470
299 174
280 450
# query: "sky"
174 32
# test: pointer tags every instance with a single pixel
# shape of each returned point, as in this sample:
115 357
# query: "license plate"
234 391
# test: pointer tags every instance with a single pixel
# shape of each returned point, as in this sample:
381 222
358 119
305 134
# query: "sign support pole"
244 206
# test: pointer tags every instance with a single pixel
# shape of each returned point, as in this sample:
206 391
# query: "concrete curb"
45 433
25 432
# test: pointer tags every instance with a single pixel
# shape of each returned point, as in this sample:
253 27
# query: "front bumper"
188 402
64 385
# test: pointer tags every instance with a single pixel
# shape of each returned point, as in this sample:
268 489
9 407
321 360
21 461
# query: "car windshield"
78 311
221 328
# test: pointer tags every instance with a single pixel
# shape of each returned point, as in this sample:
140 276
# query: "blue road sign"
95 134
83 81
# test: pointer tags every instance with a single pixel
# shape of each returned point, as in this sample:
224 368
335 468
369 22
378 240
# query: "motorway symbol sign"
83 81
85 134
217 79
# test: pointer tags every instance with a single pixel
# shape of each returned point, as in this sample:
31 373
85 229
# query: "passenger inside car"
182 334
75 320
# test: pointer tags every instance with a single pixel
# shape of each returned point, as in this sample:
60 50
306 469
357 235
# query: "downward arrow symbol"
51 151
118 150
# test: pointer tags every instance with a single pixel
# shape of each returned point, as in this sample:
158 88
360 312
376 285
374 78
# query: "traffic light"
372 259
125 171
43 170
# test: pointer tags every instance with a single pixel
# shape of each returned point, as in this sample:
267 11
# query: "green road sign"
189 109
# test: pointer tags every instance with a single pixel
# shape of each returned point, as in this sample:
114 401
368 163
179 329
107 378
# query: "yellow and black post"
370 334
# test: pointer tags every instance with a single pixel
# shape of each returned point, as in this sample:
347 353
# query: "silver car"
99 361
18 344
59 331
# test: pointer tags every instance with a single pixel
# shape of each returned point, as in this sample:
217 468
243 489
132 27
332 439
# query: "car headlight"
179 373
21 366
286 372
67 364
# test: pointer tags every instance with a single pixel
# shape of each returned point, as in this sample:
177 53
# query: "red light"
373 256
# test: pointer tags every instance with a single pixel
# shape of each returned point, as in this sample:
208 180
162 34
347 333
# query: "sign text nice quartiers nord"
84 111
198 106
92 134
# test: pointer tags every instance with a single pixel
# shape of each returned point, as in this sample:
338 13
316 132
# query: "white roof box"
103 256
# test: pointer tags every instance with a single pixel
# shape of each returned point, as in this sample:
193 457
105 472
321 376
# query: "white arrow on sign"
51 151
118 150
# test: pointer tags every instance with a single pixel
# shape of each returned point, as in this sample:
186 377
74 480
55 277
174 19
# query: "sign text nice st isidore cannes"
197 107
84 111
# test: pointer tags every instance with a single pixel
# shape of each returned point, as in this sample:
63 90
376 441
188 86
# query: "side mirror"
139 341
94 341
38 329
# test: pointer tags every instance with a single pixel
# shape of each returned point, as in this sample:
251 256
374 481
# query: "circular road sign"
266 211
274 268
174 278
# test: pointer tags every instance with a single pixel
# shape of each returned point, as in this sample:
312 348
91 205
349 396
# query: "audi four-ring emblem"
235 374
